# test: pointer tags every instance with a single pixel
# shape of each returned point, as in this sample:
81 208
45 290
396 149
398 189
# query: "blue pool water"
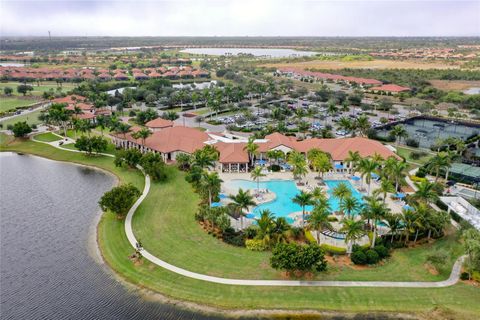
285 190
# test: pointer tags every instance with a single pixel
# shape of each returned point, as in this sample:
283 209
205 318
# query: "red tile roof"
159 123
177 139
232 152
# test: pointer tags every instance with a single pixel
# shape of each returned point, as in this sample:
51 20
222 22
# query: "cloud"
240 18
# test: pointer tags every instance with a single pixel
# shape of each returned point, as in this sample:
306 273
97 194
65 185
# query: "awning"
399 195
339 166
216 204
355 178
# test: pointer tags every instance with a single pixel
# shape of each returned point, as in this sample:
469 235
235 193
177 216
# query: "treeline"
345 43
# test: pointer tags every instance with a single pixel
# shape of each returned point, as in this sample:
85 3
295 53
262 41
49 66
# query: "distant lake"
50 267
472 90
257 52
11 64
197 86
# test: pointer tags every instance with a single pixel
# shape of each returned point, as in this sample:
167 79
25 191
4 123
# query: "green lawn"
406 152
172 223
110 148
38 90
47 137
10 103
30 118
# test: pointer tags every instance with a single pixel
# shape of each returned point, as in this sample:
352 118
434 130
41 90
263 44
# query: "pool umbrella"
261 162
375 176
222 196
338 166
400 195
355 178
215 204
407 207
250 216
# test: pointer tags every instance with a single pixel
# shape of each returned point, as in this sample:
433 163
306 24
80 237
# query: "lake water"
11 64
49 265
472 90
257 52
196 86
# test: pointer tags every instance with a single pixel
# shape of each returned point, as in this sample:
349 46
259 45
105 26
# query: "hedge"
332 250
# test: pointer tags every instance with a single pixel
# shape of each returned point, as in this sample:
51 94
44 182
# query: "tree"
349 205
297 161
399 132
395 170
441 161
256 174
341 192
21 129
183 161
211 182
252 148
7 91
471 246
144 134
241 201
318 219
385 187
130 157
120 199
205 157
58 114
303 199
367 167
294 257
91 144
276 155
353 230
426 192
154 166
377 211
353 160
345 124
363 125
265 227
394 223
24 89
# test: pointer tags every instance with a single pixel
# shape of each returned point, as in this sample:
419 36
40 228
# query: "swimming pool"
285 190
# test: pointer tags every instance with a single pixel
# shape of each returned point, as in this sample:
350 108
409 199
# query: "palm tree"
256 174
353 230
395 170
144 134
377 210
280 229
303 199
212 183
265 227
349 205
439 162
195 97
122 128
341 192
411 223
367 167
426 192
275 155
385 187
205 157
252 148
297 161
318 220
353 159
394 223
363 125
345 124
399 132
241 201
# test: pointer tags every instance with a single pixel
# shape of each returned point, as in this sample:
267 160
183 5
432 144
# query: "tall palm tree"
280 230
256 174
395 170
394 223
345 124
303 199
205 157
144 134
367 167
363 125
265 227
341 192
440 161
385 187
399 132
212 183
353 159
241 201
297 161
353 230
349 205
318 220
252 148
377 211
426 192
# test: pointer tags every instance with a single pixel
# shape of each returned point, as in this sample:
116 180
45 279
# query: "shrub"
372 256
381 251
21 129
233 238
418 179
295 257
274 168
359 257
250 232
437 258
412 143
464 276
309 237
332 250
255 245
415 155
332 219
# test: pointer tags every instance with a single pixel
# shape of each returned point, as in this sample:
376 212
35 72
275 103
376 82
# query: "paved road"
454 275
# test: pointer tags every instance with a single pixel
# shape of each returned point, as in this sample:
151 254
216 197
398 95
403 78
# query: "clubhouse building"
170 141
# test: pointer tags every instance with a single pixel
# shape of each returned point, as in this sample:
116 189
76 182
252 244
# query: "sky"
240 18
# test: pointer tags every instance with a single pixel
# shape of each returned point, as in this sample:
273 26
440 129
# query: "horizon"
223 18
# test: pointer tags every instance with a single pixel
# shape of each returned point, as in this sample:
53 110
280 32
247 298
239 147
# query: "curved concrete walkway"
454 275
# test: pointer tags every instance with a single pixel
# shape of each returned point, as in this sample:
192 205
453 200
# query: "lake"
472 90
257 52
50 265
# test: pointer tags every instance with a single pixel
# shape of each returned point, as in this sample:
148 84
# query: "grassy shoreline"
460 299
